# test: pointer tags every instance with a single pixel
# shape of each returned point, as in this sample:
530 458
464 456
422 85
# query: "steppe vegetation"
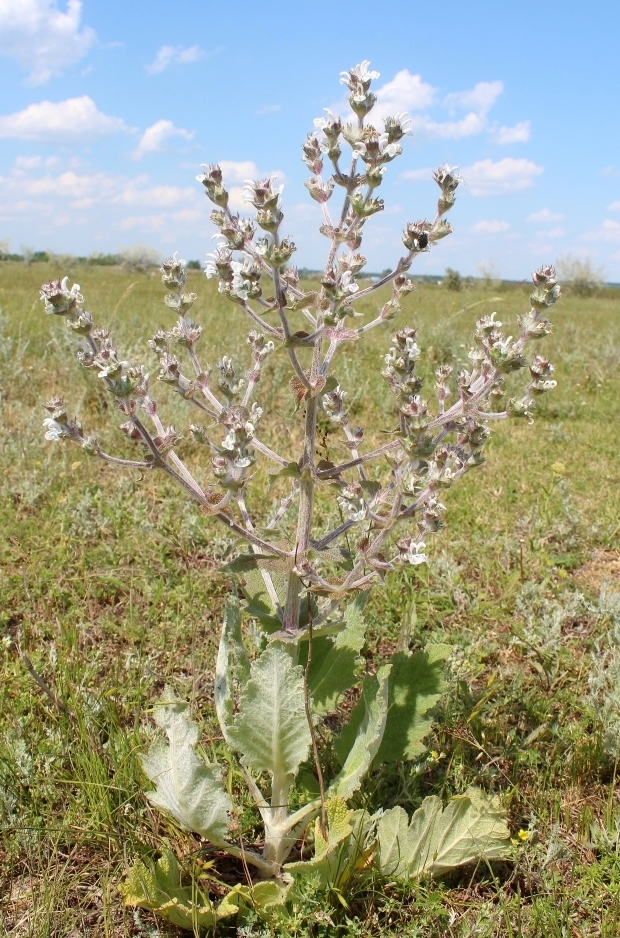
110 589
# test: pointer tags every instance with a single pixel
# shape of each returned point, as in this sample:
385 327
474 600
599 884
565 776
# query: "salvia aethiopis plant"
305 585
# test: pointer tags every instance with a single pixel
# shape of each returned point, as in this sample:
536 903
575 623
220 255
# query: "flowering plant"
305 589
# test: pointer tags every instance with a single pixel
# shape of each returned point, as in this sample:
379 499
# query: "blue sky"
107 110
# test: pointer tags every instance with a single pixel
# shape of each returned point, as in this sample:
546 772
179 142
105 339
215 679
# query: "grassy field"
110 587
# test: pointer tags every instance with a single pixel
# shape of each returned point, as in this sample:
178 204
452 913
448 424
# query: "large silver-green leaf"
471 829
357 745
335 663
416 684
271 729
186 786
232 665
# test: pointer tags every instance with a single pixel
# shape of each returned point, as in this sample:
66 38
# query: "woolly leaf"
232 665
157 887
359 741
271 730
186 787
471 829
336 663
416 684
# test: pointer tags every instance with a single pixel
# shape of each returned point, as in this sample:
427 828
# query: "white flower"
326 122
412 551
55 430
359 75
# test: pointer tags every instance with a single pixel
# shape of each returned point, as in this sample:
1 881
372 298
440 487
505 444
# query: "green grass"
110 587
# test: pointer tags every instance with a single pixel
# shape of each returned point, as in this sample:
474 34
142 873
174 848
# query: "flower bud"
440 230
416 235
58 299
212 181
173 272
319 190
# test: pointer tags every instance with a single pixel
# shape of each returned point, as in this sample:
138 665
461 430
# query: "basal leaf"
232 665
358 743
335 662
395 843
471 829
186 786
271 730
416 684
157 887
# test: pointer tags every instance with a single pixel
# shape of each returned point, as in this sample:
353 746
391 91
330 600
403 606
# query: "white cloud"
154 137
608 231
238 170
481 98
268 109
520 133
41 38
422 127
497 178
406 92
418 175
66 197
64 122
173 55
490 227
545 215
163 221
555 233
613 207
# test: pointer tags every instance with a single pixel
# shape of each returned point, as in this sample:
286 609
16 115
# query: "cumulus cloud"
154 137
238 170
490 227
545 215
520 133
173 55
406 92
613 207
418 175
487 177
69 122
609 231
41 38
66 197
481 98
422 127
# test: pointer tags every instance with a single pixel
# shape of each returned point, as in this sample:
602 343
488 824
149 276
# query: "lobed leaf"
187 787
232 665
471 829
271 730
416 684
357 745
336 662
157 887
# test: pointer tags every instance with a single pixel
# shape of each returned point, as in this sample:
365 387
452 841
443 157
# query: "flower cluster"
433 442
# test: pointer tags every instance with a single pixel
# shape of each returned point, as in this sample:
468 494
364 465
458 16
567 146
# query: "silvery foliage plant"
306 588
